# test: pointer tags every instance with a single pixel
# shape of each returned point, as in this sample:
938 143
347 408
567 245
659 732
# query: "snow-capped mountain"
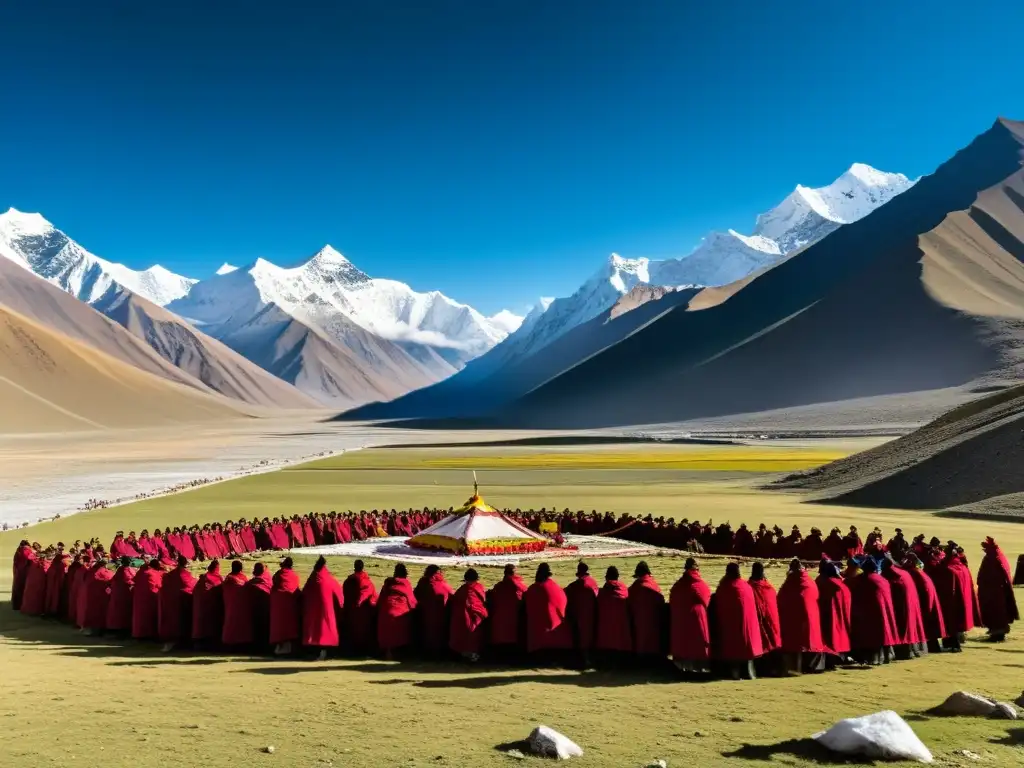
804 217
35 244
507 321
224 268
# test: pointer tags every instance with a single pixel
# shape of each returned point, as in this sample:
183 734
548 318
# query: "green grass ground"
71 699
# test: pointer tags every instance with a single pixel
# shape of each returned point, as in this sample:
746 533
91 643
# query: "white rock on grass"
967 704
881 736
547 742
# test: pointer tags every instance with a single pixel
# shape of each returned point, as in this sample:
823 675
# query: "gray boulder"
967 704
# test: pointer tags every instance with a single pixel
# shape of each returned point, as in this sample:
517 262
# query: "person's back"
505 606
581 608
395 606
146 600
468 612
360 612
736 632
285 608
119 607
432 594
238 621
646 611
546 628
614 633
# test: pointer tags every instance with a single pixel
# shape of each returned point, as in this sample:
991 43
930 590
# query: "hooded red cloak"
69 595
146 603
23 556
767 604
737 629
906 604
688 608
97 596
322 601
931 609
873 622
119 608
174 615
359 617
33 599
395 608
995 589
238 623
614 632
208 605
955 589
468 611
505 605
646 612
307 532
295 534
799 615
432 594
259 587
285 607
80 592
581 610
546 628
55 590
835 604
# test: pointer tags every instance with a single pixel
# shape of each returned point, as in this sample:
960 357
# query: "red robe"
432 597
146 603
799 615
80 592
69 595
322 602
873 617
295 533
835 608
906 605
174 616
97 596
614 632
259 588
546 627
56 592
505 606
119 608
468 611
767 614
737 628
646 612
690 630
931 609
249 539
395 608
285 607
238 624
307 532
359 616
208 606
995 590
955 589
581 610
23 557
33 599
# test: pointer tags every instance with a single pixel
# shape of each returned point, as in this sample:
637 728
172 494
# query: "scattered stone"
547 742
269 749
515 754
967 704
883 735
1005 711
699 734
192 727
735 719
968 754
657 764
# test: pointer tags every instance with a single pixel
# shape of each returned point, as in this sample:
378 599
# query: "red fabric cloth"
873 622
322 601
23 556
55 588
614 632
97 592
737 628
285 607
174 615
931 608
71 583
119 608
906 604
799 614
581 610
80 590
468 611
955 589
307 532
766 601
208 606
995 589
33 600
359 616
238 624
146 603
647 613
505 605
546 628
432 595
395 608
296 536
259 588
690 631
835 608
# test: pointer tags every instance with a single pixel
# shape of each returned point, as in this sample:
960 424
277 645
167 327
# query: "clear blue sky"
496 151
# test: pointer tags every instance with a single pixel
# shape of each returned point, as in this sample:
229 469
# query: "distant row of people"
874 612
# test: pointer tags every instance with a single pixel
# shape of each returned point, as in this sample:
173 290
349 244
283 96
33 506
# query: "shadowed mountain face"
907 299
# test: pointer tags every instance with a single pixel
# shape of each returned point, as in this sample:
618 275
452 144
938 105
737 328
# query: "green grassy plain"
72 699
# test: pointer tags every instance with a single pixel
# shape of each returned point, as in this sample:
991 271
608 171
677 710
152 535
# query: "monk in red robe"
690 632
359 618
23 556
395 616
547 632
736 630
33 601
995 592
55 592
432 595
505 606
146 600
835 608
647 614
873 623
907 606
97 596
613 638
285 609
70 589
955 588
766 600
581 611
208 606
174 618
322 602
468 612
931 609
119 608
258 588
800 621
237 629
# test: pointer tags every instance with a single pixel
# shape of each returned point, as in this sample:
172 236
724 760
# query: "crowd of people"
894 600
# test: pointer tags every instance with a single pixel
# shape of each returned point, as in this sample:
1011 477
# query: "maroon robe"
33 599
174 616
97 592
546 627
208 606
995 590
767 614
737 629
23 557
56 594
646 613
835 608
80 592
468 611
69 592
955 589
614 632
581 610
146 603
395 608
238 624
931 609
285 607
359 616
259 588
295 533
690 631
873 617
119 608
906 604
432 595
799 614
322 602
505 606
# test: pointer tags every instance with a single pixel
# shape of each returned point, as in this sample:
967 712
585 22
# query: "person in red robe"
119 608
285 609
395 617
258 588
800 621
581 610
432 595
613 638
505 607
359 617
97 596
208 606
322 603
931 609
69 591
468 612
995 592
33 601
955 588
766 600
873 625
907 606
23 557
174 613
835 608
548 634
56 593
237 629
646 614
146 601
689 627
736 629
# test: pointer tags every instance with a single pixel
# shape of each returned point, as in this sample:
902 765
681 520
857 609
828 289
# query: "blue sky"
496 151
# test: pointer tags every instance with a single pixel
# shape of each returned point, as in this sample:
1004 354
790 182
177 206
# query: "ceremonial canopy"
478 529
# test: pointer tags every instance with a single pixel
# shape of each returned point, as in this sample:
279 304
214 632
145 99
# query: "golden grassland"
68 695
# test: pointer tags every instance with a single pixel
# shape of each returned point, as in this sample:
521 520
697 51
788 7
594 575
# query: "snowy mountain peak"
226 268
17 222
506 321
